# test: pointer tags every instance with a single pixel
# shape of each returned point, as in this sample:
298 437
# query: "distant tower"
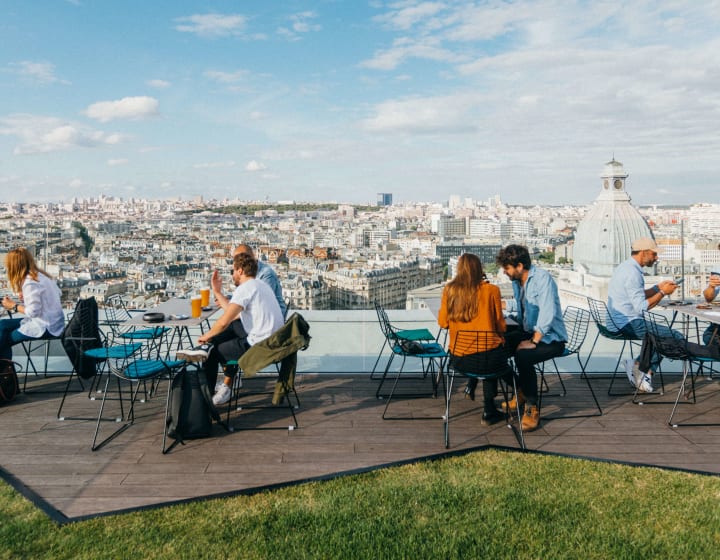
384 199
604 235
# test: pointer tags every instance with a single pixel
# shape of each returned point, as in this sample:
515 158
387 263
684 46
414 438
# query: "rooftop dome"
604 235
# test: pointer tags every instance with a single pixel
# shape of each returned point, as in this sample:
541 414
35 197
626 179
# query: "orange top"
489 318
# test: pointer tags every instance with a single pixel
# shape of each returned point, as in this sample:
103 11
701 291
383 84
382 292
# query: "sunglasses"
232 271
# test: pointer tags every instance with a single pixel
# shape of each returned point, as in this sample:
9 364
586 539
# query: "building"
604 235
384 199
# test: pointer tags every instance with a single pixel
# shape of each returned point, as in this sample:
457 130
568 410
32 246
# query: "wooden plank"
341 430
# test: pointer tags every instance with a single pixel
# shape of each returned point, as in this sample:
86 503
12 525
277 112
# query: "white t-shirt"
261 315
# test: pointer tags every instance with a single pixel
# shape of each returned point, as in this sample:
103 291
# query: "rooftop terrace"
341 431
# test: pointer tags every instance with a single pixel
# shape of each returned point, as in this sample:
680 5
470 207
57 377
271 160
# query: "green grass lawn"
490 504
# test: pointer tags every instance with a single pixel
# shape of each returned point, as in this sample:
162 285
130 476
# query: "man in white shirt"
254 302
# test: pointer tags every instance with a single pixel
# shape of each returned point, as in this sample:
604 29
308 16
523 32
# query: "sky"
332 100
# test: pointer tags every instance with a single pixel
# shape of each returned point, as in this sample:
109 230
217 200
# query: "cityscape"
344 256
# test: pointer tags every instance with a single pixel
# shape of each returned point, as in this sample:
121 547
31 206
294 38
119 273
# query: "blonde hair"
20 264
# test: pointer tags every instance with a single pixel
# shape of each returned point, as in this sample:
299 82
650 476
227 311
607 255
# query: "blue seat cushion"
114 352
142 369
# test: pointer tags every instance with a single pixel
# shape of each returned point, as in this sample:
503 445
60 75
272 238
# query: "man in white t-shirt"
254 302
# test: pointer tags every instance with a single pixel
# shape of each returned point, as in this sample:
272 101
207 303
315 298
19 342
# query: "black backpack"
9 385
191 408
83 333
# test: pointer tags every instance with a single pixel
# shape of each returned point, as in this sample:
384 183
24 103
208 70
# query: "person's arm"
216 286
656 293
32 298
544 293
496 306
230 313
443 313
710 293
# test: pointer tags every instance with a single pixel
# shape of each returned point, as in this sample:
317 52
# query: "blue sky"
339 100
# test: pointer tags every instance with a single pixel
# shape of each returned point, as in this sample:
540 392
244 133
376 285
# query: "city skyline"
333 100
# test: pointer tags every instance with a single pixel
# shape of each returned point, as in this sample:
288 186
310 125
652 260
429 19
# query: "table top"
174 307
705 312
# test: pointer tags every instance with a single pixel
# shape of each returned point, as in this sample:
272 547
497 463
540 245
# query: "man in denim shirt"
542 334
628 298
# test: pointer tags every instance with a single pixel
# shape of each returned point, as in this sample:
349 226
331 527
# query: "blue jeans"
10 336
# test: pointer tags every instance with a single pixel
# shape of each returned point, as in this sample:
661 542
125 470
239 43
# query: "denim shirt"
542 306
626 293
268 275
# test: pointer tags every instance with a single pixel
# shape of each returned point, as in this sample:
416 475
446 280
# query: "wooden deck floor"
341 430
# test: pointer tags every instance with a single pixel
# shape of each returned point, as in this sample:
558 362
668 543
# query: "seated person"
471 303
39 302
628 298
254 303
710 293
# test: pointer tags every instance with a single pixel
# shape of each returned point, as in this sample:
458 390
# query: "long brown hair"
462 299
20 264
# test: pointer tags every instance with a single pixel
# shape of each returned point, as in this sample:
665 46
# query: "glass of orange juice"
195 305
205 296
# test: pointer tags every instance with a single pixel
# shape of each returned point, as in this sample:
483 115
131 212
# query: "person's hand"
7 303
216 281
527 345
202 339
714 281
667 287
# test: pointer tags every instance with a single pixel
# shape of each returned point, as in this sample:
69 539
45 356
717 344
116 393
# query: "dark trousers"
673 346
525 360
494 360
230 344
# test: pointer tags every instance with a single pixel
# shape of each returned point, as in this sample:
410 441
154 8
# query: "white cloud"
116 162
158 84
253 166
212 25
299 23
408 14
139 107
444 114
214 165
41 72
405 48
39 134
227 77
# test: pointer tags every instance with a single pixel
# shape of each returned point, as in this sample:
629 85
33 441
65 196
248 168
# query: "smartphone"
679 281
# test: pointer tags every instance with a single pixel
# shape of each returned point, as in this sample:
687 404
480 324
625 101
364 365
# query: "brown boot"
531 418
512 405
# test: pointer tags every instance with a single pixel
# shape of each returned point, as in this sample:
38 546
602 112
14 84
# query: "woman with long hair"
471 303
39 302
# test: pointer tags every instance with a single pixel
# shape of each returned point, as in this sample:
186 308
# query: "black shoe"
470 392
491 416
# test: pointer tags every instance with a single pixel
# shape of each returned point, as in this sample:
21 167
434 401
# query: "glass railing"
348 342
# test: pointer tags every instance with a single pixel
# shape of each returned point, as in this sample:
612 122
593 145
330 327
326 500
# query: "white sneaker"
218 385
222 395
643 381
629 365
197 354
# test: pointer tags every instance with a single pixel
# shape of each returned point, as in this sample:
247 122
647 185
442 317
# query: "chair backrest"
115 313
667 342
479 353
600 314
576 323
82 333
384 321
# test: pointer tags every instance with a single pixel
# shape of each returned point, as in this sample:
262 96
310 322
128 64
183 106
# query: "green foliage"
547 257
88 241
489 504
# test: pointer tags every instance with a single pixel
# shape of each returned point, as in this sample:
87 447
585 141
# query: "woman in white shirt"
39 301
